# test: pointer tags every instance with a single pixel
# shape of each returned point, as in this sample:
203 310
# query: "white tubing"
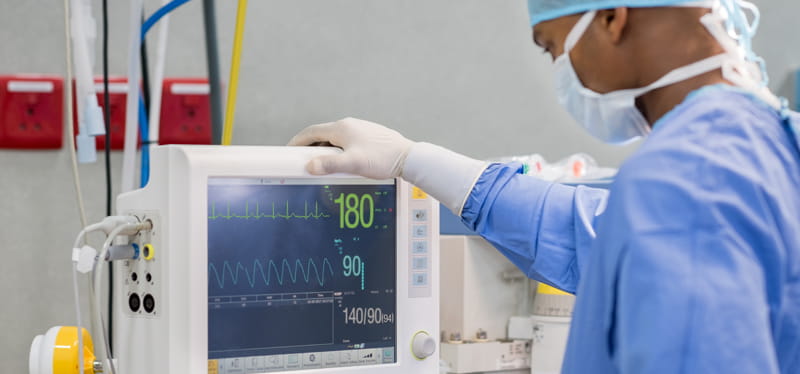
76 178
97 314
132 104
78 240
158 79
81 235
89 112
83 66
78 316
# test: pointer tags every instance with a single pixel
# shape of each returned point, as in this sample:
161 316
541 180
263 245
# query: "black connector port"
149 303
134 302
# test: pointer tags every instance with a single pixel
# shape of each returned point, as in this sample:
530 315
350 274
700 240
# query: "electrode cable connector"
131 226
122 252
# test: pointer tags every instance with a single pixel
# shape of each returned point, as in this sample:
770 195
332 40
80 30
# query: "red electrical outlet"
31 111
185 112
117 94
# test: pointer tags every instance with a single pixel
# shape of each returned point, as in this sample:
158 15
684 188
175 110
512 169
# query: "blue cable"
144 129
144 126
160 13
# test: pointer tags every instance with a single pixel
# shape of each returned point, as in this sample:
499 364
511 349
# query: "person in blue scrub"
690 263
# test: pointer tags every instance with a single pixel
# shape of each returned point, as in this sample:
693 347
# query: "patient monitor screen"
301 273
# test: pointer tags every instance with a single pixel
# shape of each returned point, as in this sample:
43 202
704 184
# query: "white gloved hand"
370 150
374 151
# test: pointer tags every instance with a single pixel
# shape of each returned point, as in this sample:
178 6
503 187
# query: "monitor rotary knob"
422 345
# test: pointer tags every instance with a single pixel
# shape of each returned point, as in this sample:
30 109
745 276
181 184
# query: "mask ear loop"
578 30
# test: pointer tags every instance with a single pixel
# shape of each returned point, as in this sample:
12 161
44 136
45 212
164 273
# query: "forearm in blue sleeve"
544 228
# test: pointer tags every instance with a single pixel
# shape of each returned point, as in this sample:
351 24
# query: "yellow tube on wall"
230 108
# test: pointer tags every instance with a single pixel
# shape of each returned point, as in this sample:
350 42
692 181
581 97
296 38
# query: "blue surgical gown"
690 263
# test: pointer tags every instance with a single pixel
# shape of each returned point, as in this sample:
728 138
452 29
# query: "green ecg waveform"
284 212
283 271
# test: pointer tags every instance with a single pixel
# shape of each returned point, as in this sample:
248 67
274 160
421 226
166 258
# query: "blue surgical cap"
737 23
545 10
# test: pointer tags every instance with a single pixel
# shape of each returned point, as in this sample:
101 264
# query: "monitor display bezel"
399 218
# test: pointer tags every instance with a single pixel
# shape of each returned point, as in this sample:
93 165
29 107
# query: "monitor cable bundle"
86 259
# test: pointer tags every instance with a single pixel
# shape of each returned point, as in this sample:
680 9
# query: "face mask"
613 117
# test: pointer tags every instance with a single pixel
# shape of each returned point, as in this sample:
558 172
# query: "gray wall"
461 73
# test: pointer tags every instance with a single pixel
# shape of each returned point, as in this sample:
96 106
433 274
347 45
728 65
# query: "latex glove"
370 150
374 151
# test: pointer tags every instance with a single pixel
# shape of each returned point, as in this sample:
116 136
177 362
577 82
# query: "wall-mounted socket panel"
185 112
31 111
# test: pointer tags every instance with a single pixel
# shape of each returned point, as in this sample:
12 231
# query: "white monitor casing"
174 338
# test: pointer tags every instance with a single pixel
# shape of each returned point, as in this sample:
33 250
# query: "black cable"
107 111
145 74
107 149
214 79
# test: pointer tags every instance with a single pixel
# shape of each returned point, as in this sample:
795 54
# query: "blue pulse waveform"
300 268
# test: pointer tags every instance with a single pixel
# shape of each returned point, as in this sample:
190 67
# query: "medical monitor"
262 268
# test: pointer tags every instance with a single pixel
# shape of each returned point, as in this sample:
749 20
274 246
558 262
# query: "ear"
613 22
